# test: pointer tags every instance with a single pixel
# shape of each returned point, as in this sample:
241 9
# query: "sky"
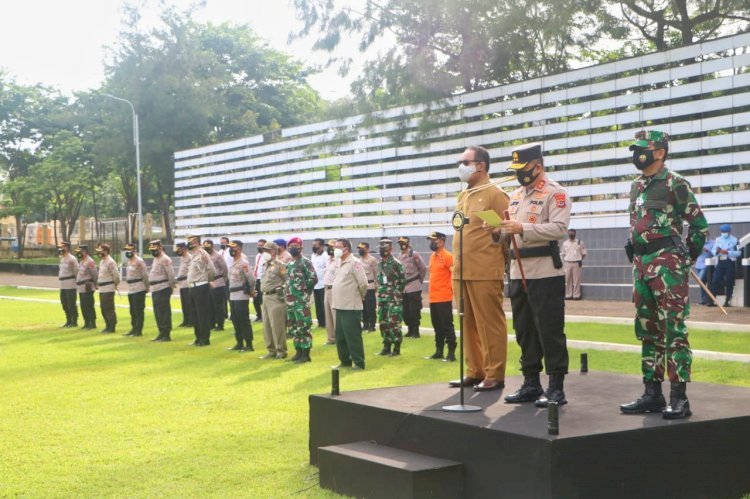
62 42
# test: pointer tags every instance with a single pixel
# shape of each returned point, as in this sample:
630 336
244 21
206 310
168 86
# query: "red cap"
294 240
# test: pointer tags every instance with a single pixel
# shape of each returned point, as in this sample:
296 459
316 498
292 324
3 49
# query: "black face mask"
128 254
223 246
643 158
572 236
362 252
155 253
295 251
433 246
329 251
209 250
232 252
526 178
260 250
316 250
383 251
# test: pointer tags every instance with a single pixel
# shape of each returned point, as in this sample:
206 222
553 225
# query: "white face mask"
266 257
338 253
465 172
725 234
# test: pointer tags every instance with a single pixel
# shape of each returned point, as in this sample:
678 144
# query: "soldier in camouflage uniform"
301 279
660 201
391 281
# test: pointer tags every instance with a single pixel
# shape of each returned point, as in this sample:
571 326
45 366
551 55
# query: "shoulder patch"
682 193
561 199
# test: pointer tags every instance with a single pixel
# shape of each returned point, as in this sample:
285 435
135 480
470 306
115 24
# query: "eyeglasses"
466 162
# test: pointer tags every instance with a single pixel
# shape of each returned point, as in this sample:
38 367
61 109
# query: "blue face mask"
725 234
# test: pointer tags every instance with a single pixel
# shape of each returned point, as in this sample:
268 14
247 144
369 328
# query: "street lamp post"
136 141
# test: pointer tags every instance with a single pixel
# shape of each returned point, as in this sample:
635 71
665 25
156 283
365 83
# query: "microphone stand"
458 221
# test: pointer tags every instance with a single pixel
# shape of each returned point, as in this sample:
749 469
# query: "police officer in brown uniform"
371 270
274 302
109 279
136 275
573 252
485 331
67 277
415 271
218 285
86 284
241 289
187 307
540 213
201 272
162 281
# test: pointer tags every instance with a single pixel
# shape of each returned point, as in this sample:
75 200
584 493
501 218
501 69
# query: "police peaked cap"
129 247
436 235
154 245
363 245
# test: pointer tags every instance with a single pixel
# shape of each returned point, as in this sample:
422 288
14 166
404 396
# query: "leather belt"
197 283
158 282
105 283
534 252
416 278
653 246
218 277
239 288
81 283
183 278
370 281
66 278
131 281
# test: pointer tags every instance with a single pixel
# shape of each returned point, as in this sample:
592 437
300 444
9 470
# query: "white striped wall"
347 178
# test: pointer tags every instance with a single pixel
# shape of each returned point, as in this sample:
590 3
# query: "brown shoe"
488 385
467 381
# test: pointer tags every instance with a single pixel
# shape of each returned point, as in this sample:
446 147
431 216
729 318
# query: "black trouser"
219 297
137 302
87 308
320 308
413 311
539 322
200 297
441 315
107 304
243 332
68 301
187 307
163 311
368 309
723 279
258 301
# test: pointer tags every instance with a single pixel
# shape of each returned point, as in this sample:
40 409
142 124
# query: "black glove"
630 250
580 263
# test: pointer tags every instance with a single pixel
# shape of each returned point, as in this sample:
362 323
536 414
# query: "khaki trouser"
485 330
274 323
330 316
572 280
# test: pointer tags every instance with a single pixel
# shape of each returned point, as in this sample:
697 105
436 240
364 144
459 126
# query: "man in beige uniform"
539 212
274 302
187 307
349 289
328 278
86 284
67 277
573 252
415 271
109 279
371 270
201 272
484 328
136 275
162 280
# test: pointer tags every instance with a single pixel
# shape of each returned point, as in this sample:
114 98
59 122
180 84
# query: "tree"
669 23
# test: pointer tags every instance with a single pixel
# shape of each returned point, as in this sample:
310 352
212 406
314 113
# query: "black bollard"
553 419
335 382
584 362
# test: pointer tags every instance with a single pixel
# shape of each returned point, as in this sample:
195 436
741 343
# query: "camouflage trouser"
661 307
389 318
299 322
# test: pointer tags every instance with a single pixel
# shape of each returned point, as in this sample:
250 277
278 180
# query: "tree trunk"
20 235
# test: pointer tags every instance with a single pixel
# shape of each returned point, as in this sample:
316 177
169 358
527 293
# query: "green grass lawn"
94 415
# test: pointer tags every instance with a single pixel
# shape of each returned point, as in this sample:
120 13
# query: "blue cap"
280 242
725 228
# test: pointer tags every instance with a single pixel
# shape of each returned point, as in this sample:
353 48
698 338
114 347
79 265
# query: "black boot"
554 392
438 353
396 350
386 349
530 390
679 406
304 357
451 357
297 355
92 325
236 347
652 400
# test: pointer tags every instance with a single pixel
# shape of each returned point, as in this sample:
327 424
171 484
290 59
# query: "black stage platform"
506 450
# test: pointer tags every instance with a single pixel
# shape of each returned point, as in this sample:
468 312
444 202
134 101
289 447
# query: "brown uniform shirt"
108 272
200 269
371 269
414 270
485 258
182 270
349 285
240 272
330 273
137 272
161 270
222 272
544 212
573 251
274 277
86 276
